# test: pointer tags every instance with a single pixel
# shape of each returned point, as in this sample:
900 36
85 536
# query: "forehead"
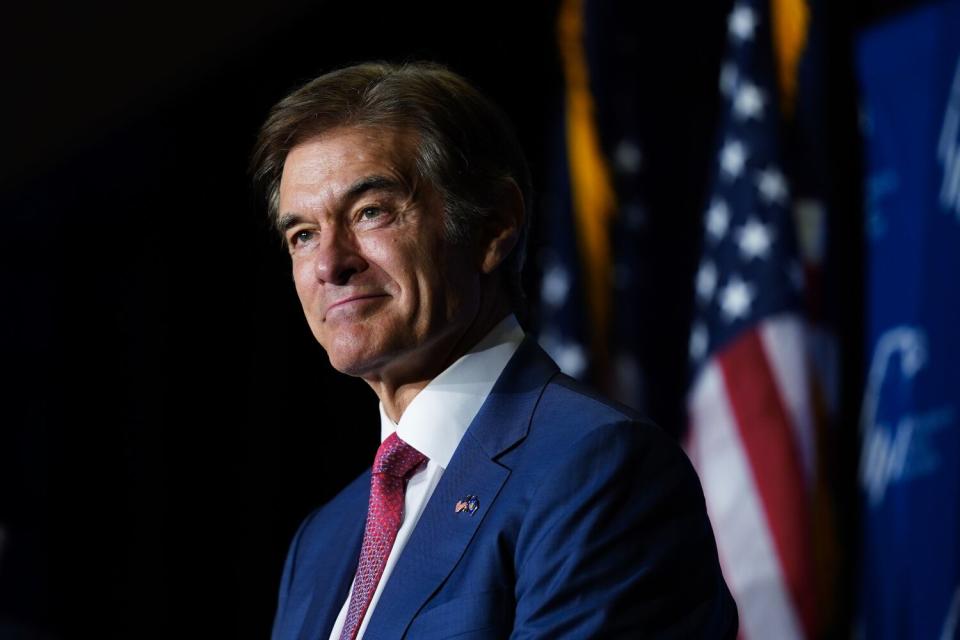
325 166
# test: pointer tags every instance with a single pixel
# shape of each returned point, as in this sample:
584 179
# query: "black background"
166 418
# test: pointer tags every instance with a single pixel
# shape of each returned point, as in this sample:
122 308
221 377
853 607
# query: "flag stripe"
768 441
783 341
747 554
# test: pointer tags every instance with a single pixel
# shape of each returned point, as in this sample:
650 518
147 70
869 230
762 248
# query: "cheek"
306 287
379 249
392 261
456 280
464 283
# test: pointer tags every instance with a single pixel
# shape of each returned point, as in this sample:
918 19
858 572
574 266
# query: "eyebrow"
363 185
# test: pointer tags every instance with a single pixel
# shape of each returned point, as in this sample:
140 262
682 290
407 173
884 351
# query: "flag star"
569 355
742 23
555 285
749 102
627 157
699 341
811 217
733 157
772 186
571 358
754 239
706 281
735 299
728 78
718 219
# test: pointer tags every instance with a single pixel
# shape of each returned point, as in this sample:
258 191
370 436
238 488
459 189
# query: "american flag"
591 316
751 434
575 259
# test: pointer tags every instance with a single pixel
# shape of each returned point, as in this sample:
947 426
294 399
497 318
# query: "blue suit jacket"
591 524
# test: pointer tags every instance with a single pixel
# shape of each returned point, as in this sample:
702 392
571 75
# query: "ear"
503 229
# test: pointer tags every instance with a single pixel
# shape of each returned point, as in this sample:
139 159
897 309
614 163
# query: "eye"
369 213
304 235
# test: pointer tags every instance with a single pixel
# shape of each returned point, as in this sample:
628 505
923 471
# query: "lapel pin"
469 504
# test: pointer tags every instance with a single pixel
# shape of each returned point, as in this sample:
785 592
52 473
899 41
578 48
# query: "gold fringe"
594 199
791 19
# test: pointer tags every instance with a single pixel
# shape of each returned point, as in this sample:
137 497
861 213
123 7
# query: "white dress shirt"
433 424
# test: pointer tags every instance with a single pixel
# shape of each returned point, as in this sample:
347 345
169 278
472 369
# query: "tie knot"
396 458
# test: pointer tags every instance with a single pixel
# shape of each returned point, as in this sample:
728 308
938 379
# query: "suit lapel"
442 535
335 572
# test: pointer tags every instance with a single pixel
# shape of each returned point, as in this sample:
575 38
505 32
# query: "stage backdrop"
910 466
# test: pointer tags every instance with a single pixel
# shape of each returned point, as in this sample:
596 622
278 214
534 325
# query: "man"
505 500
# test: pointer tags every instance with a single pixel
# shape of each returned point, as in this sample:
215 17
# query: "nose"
338 258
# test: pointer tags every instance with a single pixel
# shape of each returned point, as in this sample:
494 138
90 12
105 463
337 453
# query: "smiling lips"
351 301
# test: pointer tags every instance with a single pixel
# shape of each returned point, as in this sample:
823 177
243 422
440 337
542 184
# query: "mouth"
350 302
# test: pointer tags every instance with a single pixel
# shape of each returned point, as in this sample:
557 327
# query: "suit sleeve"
617 544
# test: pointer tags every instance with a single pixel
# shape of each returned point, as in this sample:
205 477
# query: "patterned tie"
393 466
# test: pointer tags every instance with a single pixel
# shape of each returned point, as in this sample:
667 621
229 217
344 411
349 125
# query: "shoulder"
566 394
572 421
613 506
580 442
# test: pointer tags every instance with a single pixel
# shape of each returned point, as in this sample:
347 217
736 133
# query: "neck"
396 393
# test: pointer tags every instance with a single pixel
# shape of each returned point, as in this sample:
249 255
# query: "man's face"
383 291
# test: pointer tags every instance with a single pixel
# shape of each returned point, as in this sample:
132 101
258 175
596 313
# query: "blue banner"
909 70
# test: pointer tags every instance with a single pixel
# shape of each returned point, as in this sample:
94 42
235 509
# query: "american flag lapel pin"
468 504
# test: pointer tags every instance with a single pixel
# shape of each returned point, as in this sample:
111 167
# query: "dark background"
166 418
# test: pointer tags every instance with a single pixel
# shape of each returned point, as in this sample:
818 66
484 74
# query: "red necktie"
395 462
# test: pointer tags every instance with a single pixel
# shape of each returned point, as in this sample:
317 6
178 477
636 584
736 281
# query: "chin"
347 364
360 349
351 361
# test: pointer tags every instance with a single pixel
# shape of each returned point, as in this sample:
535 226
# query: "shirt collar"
435 421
